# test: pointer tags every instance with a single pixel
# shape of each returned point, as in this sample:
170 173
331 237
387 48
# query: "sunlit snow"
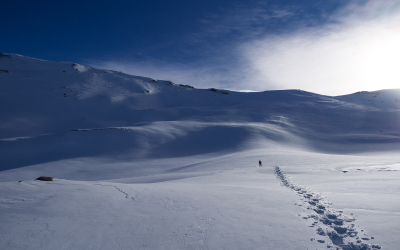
142 163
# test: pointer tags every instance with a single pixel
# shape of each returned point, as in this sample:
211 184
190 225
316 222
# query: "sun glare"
379 59
335 60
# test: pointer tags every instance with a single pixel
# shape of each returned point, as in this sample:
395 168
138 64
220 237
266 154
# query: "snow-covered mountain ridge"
43 100
143 163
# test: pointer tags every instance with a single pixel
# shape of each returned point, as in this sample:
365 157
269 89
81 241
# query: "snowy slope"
147 164
383 99
144 118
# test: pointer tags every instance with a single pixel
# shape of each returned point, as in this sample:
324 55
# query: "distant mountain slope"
383 99
61 110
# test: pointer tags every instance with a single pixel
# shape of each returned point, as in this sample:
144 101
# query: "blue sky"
328 47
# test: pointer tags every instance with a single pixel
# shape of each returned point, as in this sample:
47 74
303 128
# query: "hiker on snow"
259 163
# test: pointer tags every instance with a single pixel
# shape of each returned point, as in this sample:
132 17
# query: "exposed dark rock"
45 178
218 91
5 56
169 83
186 86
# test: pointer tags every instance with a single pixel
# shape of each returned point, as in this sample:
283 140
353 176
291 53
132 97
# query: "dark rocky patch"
45 178
186 86
4 56
218 91
169 83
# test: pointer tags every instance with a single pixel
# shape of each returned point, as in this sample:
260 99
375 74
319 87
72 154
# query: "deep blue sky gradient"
175 31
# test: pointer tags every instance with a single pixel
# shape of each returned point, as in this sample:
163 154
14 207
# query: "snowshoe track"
336 229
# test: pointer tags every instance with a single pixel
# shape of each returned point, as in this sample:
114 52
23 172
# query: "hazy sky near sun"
329 47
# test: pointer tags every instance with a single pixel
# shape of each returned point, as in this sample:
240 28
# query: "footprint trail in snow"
117 188
334 228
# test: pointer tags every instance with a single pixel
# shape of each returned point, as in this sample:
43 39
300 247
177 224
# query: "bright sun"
335 60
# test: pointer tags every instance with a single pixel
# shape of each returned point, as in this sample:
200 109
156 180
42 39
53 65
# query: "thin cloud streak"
243 22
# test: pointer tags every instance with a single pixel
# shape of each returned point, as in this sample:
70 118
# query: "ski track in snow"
337 229
126 194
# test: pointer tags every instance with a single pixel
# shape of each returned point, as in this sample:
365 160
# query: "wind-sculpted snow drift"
153 159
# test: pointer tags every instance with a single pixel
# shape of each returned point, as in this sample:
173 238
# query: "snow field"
193 213
228 207
148 164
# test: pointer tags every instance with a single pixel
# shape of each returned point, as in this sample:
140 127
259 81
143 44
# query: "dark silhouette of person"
259 163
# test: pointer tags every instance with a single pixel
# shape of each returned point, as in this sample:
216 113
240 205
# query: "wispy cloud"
355 48
213 59
243 21
357 51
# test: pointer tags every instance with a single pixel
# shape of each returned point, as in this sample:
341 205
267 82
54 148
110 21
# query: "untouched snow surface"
142 163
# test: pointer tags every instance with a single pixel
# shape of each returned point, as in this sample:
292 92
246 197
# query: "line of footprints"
334 228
